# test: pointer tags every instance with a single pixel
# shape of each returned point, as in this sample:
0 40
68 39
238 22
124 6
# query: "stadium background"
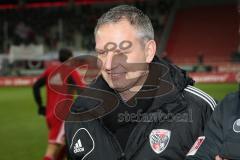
200 36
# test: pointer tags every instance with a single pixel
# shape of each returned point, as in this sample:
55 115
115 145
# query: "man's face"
122 55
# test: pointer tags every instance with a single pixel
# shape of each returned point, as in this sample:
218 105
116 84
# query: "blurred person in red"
56 136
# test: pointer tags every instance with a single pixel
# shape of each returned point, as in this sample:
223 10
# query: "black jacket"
166 131
222 134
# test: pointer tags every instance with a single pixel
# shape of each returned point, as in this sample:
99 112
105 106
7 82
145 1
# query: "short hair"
64 54
134 15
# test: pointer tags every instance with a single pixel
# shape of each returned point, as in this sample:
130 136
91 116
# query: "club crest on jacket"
159 139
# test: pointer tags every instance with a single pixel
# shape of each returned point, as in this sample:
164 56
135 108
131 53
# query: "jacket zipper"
131 135
139 147
122 154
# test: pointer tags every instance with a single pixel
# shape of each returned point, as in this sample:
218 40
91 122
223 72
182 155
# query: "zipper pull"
123 156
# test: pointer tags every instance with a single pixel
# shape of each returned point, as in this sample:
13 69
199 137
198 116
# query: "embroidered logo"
78 147
82 144
159 139
236 126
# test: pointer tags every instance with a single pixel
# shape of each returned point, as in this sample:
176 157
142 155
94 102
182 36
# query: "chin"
118 86
115 86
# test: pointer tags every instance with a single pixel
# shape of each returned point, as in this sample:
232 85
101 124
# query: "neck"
129 93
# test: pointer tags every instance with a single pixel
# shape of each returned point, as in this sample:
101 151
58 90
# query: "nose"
109 61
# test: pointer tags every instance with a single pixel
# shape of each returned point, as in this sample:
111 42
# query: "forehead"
116 33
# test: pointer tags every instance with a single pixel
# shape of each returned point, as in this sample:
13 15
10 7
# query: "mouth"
116 76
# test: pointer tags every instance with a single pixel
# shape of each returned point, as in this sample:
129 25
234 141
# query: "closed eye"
100 52
103 52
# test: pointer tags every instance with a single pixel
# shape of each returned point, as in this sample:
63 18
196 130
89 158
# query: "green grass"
23 134
218 91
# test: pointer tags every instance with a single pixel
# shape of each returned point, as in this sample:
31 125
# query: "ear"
150 50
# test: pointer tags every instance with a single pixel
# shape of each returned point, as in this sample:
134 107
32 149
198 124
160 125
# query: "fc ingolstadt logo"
159 139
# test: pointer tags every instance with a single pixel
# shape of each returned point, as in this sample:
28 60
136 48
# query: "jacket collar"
165 83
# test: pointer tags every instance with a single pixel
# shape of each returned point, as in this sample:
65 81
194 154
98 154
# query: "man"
221 138
56 141
155 113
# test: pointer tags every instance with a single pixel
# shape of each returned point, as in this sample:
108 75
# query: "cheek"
136 57
99 62
133 75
